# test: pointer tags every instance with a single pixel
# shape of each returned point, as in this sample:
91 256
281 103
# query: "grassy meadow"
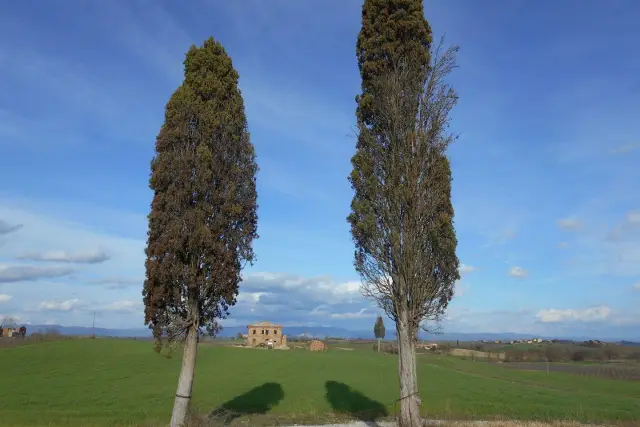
106 382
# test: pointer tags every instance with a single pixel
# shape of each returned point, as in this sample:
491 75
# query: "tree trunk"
185 382
409 398
378 345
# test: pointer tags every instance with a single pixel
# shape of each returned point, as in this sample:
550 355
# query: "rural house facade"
7 332
265 333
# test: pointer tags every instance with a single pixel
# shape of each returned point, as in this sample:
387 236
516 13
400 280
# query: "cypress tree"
378 328
391 30
203 216
379 331
401 213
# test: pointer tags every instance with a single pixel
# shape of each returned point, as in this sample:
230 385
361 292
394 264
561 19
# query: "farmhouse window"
267 332
275 332
254 332
263 332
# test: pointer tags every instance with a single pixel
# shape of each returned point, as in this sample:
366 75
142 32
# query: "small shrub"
555 354
445 348
634 356
514 355
389 348
611 353
578 356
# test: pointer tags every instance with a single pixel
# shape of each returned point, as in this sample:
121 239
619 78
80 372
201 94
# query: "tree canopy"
203 215
401 212
378 328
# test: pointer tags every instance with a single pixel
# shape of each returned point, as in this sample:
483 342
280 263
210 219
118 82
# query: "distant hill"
297 331
86 330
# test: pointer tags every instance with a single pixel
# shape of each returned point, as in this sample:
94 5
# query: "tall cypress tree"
203 216
391 30
379 330
401 213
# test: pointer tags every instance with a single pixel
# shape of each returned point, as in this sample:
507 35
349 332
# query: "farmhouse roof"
265 323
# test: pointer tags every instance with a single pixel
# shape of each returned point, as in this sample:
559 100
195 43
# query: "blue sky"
545 187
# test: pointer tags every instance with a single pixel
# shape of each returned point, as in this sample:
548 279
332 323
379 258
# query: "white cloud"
518 272
323 288
637 286
27 273
570 223
118 282
362 314
48 225
466 269
5 298
126 306
86 257
289 298
591 314
633 217
68 305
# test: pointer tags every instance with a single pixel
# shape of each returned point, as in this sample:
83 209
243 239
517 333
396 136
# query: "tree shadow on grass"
258 400
345 400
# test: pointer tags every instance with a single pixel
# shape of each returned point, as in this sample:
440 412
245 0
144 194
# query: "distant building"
8 332
265 333
317 345
427 345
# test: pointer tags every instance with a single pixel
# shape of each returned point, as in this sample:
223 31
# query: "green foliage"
203 216
378 328
391 30
108 382
401 213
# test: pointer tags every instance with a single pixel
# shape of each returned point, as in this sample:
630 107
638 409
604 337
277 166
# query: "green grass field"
123 382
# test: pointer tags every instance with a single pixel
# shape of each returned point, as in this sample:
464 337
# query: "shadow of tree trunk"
258 400
345 400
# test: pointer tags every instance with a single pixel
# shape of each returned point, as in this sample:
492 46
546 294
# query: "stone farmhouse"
427 345
265 333
8 332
